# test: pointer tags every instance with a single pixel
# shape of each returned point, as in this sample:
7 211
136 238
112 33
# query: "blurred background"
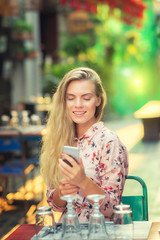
41 40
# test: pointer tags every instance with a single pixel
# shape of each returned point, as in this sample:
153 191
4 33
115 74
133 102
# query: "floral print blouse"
105 160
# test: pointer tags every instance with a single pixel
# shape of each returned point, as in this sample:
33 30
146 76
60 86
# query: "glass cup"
44 222
5 120
14 121
97 227
123 222
35 119
25 118
70 225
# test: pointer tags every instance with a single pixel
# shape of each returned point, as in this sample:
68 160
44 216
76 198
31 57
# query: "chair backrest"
10 144
138 203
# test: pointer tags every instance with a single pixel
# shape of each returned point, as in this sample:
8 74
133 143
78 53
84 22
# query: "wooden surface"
153 235
149 110
23 232
150 115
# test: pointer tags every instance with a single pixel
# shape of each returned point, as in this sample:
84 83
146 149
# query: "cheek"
68 105
92 106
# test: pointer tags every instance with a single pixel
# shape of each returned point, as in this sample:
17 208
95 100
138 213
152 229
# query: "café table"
27 231
27 132
150 116
153 234
29 136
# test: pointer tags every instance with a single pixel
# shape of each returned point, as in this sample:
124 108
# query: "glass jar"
123 222
45 223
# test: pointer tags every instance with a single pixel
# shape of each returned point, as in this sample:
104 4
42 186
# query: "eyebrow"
83 95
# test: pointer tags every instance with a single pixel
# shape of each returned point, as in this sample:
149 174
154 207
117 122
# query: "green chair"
139 203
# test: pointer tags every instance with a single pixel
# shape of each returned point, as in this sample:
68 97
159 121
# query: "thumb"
80 161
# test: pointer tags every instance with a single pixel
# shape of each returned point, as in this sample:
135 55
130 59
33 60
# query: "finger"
68 192
80 161
63 181
70 159
66 174
66 183
64 165
68 186
71 187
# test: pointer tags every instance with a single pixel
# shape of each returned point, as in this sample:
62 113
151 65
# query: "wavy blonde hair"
60 129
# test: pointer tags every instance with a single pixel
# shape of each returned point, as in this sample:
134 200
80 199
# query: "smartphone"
73 152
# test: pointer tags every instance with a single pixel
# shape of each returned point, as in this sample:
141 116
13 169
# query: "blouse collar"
91 131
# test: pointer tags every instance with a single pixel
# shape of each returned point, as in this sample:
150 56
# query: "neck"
82 128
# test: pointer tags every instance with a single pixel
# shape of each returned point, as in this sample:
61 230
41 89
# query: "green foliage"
21 25
77 44
49 83
124 56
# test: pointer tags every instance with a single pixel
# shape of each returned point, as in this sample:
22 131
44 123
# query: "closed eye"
69 97
87 99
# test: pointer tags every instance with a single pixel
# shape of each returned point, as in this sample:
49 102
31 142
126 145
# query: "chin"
79 121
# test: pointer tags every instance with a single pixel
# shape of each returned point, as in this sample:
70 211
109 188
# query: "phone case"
72 151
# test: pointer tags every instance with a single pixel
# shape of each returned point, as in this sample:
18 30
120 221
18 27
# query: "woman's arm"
54 195
113 170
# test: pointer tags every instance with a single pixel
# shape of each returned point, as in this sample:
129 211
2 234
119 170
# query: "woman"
74 120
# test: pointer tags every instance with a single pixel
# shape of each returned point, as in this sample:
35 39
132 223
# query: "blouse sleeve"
49 198
113 170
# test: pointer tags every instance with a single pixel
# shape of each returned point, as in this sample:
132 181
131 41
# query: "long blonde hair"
60 129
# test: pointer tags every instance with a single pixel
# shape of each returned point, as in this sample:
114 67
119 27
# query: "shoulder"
106 135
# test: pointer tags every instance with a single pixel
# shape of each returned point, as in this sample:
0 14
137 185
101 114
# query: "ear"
98 101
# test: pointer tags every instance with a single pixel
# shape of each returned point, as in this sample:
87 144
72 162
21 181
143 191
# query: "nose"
78 102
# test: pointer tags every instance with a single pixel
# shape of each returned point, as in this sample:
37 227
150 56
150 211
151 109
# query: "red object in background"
131 9
63 2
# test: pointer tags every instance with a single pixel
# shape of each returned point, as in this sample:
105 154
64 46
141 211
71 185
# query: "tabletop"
149 110
153 234
37 130
27 231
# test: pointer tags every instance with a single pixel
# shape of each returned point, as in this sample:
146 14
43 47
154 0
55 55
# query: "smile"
79 113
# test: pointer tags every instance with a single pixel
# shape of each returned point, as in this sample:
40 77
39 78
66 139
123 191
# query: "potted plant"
22 30
30 52
20 54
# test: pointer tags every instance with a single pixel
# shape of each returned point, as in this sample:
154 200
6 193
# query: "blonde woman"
74 120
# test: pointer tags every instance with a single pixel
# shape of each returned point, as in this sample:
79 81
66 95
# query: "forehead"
81 86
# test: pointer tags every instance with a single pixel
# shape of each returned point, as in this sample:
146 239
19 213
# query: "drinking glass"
5 120
25 118
35 119
70 225
123 222
44 222
97 227
14 118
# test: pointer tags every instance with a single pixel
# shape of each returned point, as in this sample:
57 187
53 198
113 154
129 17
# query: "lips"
79 113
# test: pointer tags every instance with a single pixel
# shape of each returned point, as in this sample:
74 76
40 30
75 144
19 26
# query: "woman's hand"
74 175
66 188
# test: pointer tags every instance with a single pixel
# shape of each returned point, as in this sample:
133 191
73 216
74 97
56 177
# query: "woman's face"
81 102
